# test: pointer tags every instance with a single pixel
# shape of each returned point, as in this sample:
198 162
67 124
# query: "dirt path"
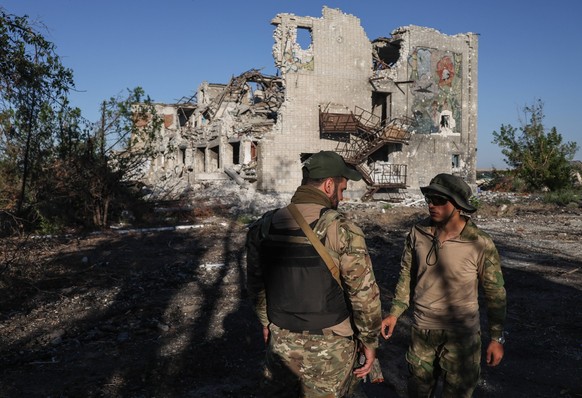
165 314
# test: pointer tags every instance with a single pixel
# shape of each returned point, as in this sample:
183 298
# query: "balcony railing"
359 135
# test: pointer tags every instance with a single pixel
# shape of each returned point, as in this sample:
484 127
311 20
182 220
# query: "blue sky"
528 50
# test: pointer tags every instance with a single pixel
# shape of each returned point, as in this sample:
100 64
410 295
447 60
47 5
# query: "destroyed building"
400 109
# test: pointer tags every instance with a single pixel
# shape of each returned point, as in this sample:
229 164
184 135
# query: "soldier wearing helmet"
445 257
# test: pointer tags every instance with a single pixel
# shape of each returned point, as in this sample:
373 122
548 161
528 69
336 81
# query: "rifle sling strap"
315 242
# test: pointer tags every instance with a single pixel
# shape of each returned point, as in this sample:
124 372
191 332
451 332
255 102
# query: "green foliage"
245 219
517 183
93 183
50 227
537 156
57 169
501 201
563 197
123 144
33 87
475 201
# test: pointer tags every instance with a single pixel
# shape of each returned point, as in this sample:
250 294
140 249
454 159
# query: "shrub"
563 197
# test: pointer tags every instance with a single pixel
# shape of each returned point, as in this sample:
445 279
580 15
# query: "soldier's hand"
266 334
370 354
494 353
388 325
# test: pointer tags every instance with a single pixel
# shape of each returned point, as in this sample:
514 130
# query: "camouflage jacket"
346 244
444 282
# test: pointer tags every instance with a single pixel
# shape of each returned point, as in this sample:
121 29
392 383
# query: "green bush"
475 201
50 227
563 197
501 201
245 219
537 155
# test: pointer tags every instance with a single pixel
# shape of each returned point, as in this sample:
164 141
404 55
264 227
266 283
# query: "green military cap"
454 188
326 164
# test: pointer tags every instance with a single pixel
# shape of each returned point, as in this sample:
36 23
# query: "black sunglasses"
436 200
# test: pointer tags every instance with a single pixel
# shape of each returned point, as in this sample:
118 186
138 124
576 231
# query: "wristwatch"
501 339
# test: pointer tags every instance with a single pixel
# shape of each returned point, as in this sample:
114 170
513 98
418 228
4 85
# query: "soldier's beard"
334 199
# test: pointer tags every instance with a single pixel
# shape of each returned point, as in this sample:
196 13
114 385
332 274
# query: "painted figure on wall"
445 71
436 91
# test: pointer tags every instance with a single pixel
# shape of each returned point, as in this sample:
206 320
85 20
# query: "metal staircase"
359 135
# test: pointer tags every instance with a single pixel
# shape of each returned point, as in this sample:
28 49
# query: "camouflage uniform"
446 334
312 365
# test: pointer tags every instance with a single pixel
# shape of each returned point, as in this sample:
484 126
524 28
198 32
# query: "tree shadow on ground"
543 352
165 314
148 321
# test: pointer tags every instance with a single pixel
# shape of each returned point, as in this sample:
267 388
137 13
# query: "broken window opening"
380 155
235 152
257 93
206 117
184 115
456 161
254 151
213 159
272 116
183 154
386 52
304 38
381 106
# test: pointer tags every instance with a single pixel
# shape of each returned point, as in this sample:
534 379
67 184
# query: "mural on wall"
436 104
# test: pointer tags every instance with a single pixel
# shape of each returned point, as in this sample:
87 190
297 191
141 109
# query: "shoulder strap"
265 223
315 242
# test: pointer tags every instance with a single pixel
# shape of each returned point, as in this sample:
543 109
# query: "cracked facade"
401 109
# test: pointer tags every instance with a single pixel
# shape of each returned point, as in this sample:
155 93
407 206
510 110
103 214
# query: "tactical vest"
301 292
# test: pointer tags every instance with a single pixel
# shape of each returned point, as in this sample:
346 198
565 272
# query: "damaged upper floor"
384 104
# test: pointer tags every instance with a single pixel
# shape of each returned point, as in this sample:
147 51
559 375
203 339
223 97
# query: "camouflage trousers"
308 365
441 353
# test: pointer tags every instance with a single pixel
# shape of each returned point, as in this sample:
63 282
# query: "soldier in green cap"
318 311
445 257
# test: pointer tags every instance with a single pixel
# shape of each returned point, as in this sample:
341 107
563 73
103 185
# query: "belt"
318 332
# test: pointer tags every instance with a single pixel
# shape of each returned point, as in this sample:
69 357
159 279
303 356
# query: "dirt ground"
164 312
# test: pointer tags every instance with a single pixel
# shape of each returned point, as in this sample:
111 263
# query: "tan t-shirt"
446 293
